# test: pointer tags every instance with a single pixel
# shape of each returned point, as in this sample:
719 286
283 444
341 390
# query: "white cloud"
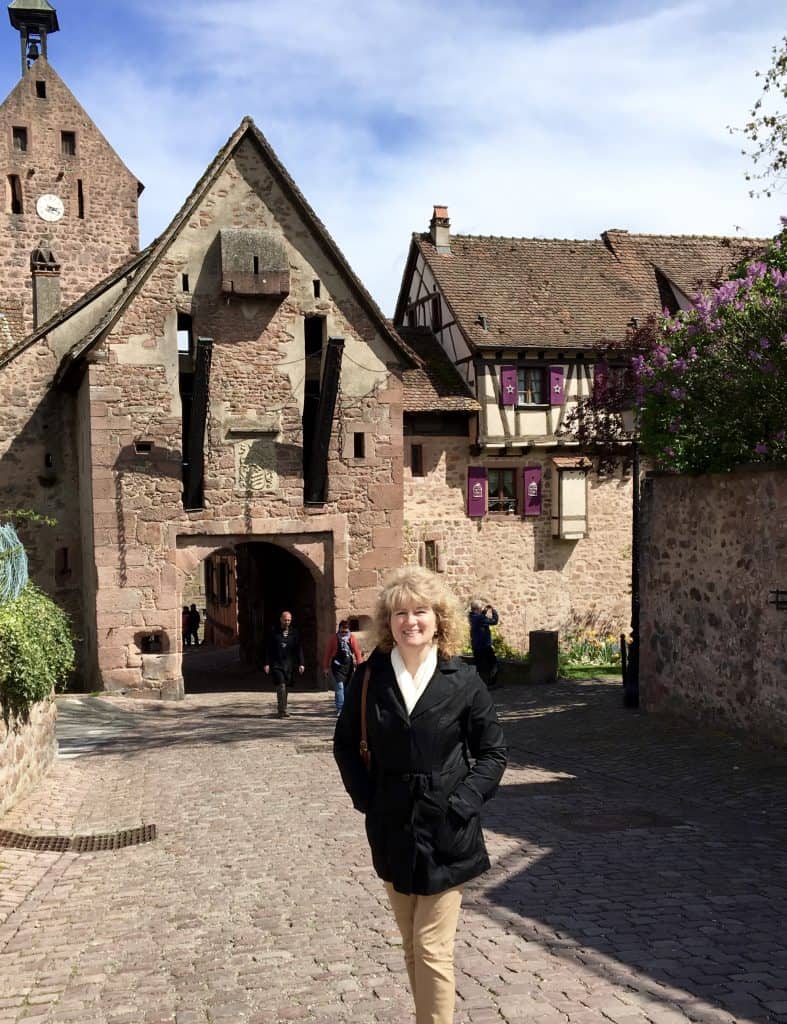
380 110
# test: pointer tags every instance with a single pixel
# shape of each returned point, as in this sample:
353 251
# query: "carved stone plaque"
255 464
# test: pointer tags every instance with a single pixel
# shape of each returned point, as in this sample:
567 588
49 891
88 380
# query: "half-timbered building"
513 510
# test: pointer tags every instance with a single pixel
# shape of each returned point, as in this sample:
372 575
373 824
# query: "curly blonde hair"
414 583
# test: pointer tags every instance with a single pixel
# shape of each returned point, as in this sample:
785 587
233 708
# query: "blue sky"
524 118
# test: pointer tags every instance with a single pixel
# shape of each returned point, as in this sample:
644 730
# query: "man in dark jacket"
283 655
482 617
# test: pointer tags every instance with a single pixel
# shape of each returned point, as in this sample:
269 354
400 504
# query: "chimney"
46 285
440 230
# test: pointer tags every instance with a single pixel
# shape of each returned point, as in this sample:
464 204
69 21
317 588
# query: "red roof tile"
564 293
436 386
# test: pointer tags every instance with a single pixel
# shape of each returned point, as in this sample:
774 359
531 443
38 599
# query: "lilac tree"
708 385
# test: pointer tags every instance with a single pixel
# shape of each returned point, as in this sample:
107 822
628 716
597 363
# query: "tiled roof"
436 386
557 293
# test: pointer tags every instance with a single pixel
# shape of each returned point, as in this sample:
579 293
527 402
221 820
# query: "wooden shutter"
476 491
531 490
556 385
508 385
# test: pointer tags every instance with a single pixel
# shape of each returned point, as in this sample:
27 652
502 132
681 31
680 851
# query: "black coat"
284 652
430 773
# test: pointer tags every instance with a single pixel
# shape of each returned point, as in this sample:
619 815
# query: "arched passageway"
241 590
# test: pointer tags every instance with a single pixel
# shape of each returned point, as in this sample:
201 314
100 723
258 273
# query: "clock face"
49 207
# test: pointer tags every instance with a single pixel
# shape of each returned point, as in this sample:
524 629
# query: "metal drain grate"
77 844
314 747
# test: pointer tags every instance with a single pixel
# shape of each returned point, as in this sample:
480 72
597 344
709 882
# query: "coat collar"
440 687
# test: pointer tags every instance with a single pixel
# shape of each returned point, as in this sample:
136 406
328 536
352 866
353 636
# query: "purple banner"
476 491
531 490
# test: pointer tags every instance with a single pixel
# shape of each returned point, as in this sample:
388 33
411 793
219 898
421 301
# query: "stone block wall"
256 397
714 647
534 580
27 749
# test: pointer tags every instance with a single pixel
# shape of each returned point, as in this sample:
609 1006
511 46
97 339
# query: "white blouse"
411 687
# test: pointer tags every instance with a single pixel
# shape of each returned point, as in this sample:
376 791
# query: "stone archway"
273 572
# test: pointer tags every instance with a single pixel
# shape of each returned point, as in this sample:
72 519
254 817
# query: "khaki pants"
428 927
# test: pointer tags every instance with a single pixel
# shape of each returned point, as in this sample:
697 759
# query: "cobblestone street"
638 873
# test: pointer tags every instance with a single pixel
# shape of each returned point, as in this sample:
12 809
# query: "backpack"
344 655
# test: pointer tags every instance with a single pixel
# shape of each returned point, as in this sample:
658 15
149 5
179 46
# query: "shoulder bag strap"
364 746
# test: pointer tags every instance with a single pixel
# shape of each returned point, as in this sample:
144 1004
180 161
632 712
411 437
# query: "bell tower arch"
35 20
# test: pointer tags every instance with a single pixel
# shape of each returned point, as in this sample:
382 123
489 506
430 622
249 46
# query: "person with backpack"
342 654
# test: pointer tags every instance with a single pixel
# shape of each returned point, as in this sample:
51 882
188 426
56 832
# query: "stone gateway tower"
230 389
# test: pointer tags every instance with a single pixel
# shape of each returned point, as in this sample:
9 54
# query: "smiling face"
413 625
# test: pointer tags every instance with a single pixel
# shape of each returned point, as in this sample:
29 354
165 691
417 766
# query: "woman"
342 654
437 754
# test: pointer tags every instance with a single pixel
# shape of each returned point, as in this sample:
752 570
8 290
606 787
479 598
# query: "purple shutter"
508 385
532 490
476 491
556 385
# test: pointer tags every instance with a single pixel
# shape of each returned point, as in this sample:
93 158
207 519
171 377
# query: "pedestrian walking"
284 656
420 750
342 654
194 623
482 617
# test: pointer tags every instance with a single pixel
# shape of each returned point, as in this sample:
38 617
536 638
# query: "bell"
32 52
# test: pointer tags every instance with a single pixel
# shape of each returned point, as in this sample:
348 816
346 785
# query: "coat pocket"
457 839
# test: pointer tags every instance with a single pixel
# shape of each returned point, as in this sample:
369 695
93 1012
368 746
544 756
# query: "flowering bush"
711 385
708 385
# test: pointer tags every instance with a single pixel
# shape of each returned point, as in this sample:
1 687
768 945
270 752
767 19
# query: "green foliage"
766 128
501 648
36 650
503 651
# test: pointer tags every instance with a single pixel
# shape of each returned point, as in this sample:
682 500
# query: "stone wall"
713 646
27 750
535 580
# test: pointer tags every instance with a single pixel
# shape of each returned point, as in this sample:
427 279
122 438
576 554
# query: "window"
417 459
80 199
15 201
20 139
184 282
41 90
437 314
531 385
502 490
68 143
62 562
430 554
359 445
316 287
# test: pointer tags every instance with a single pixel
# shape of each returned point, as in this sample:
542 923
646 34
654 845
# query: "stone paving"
639 873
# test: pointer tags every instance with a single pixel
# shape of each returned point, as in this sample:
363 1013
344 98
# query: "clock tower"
68 213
